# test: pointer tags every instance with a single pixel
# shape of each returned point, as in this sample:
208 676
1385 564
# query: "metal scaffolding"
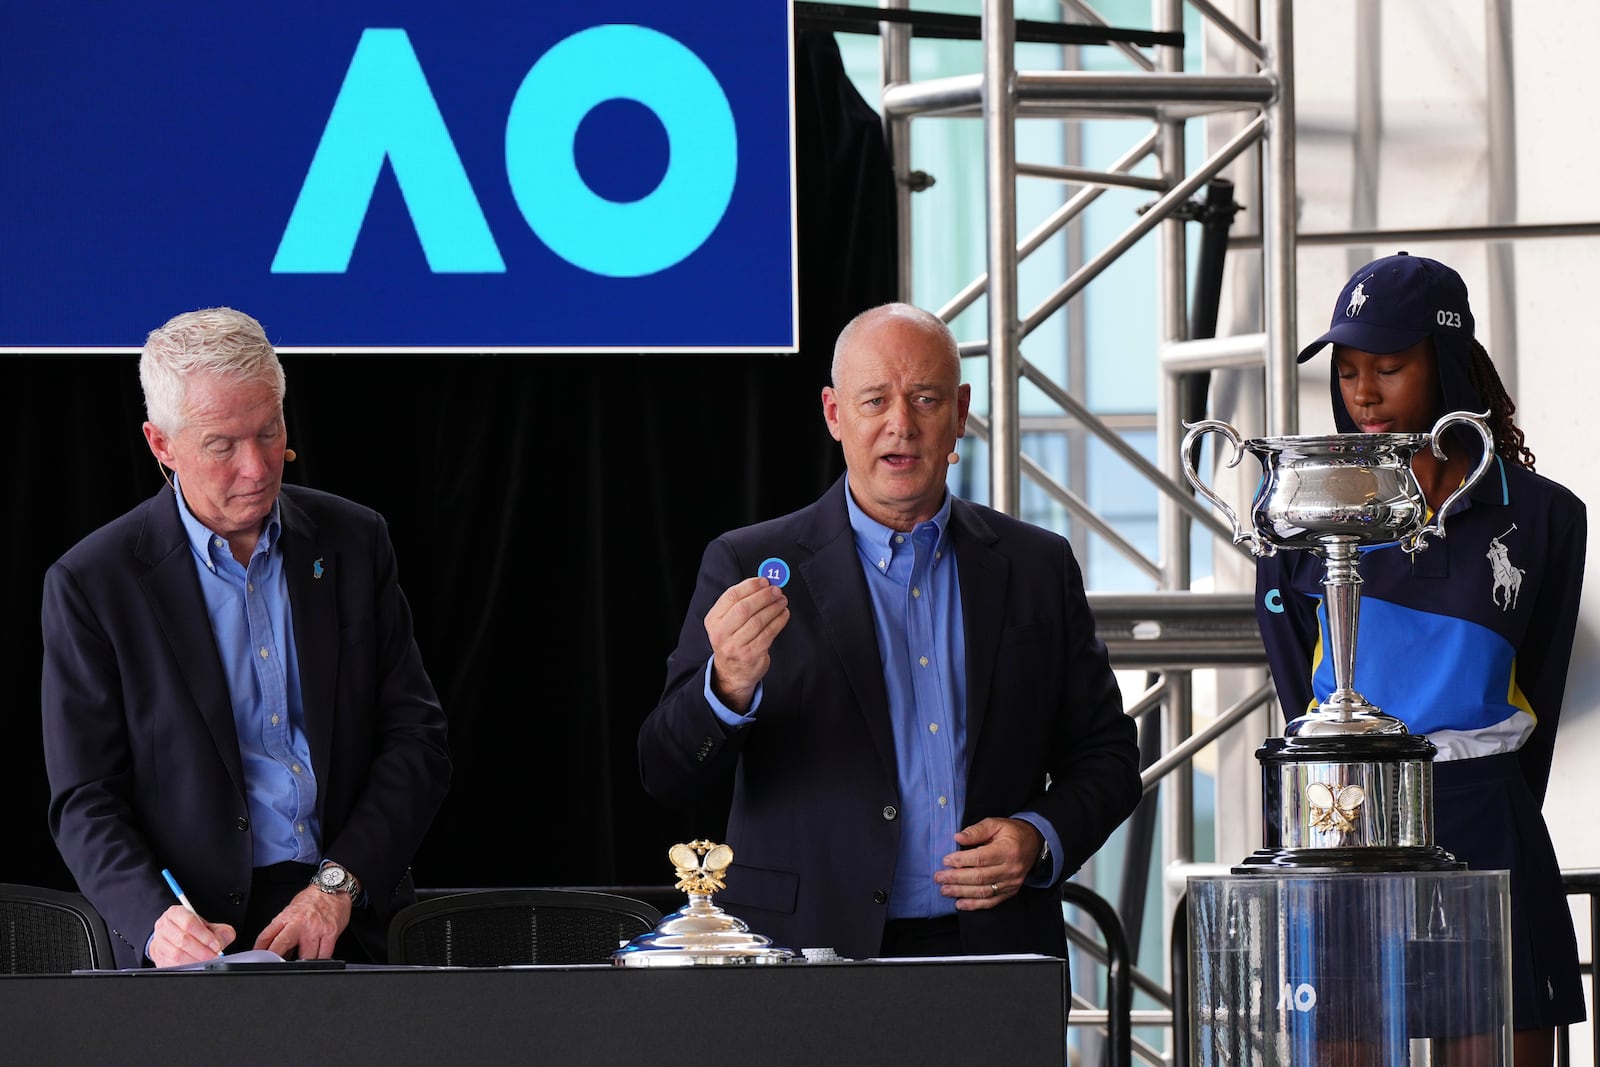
1246 98
1171 631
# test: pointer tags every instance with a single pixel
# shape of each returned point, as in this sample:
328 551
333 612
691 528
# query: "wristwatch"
332 878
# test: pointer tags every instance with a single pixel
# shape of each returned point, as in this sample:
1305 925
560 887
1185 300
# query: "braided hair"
1508 437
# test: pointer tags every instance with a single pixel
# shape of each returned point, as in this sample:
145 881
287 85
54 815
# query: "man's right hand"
742 625
182 937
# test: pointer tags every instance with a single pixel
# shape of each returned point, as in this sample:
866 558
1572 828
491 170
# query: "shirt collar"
201 537
871 532
1494 487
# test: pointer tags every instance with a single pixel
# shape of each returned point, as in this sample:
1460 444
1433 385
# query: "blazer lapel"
833 578
310 568
173 589
984 573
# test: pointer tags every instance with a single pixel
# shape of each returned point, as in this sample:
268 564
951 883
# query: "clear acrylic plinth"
1368 970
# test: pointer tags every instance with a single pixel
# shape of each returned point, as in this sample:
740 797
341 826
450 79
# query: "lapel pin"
316 568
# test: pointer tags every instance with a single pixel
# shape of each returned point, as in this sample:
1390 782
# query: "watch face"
331 876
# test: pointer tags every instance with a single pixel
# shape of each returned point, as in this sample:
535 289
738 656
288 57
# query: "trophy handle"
1418 541
1198 430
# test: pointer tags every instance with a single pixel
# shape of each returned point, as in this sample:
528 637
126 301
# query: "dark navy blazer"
814 823
140 744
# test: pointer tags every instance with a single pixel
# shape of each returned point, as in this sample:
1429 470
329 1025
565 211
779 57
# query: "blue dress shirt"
916 612
254 631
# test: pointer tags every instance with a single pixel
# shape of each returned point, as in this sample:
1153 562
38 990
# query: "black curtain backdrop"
548 512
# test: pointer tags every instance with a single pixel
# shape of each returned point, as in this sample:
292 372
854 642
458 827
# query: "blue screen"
418 176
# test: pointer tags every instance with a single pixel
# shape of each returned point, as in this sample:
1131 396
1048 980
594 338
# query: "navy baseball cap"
1392 303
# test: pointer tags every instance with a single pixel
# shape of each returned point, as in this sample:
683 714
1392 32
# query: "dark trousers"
922 937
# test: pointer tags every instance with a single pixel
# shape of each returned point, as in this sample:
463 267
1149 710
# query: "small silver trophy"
700 933
1346 786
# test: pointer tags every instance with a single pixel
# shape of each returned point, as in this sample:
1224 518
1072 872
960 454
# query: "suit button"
880 897
236 898
889 813
241 823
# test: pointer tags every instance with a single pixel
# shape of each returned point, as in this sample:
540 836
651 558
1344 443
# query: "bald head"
909 314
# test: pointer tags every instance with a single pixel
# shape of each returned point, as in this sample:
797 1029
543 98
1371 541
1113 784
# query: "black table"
820 1015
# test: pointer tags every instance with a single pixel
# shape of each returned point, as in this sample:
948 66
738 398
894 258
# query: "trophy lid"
699 933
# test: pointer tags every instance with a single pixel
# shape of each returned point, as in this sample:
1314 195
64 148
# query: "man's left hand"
994 860
309 927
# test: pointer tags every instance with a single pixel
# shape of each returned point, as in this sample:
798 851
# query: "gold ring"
994 888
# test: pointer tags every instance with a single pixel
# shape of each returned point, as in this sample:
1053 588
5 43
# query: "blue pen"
177 891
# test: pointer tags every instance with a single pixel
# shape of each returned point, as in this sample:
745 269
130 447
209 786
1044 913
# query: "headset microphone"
288 455
954 457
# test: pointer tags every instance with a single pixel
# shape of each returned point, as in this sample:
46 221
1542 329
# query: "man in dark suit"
923 733
231 689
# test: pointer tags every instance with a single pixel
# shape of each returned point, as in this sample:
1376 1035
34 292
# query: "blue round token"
774 570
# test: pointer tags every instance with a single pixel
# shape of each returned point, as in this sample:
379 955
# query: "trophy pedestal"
1347 802
1400 968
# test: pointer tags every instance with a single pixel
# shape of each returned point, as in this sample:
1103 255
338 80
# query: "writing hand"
183 937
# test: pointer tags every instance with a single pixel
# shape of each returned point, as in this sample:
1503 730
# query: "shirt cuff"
727 715
1053 874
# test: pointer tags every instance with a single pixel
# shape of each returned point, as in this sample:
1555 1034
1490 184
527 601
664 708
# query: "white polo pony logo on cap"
1358 299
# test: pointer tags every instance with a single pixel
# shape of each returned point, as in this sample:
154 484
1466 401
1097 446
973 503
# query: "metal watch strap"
350 885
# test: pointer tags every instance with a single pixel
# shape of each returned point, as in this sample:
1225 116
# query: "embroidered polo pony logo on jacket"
1507 576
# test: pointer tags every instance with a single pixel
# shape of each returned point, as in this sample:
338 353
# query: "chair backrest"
502 927
47 931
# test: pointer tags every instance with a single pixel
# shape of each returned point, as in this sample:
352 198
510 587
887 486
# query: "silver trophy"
1346 786
700 933
1335 495
1375 943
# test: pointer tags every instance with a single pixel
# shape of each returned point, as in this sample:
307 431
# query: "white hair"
219 342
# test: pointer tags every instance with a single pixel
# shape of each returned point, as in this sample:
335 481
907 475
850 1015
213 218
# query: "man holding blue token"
923 733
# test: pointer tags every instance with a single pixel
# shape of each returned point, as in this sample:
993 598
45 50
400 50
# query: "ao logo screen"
476 176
